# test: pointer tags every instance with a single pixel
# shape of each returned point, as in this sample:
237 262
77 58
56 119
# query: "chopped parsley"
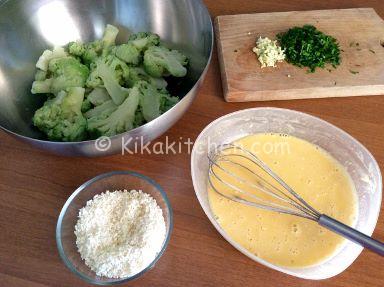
308 47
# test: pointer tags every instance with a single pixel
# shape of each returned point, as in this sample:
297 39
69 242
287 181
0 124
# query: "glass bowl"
357 160
117 180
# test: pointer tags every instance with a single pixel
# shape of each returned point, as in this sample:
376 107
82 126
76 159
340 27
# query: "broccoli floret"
41 75
139 118
110 34
86 106
119 121
91 51
124 85
43 61
128 53
41 87
149 100
136 74
94 81
167 102
60 118
109 70
160 61
98 96
48 55
76 49
119 67
102 111
143 40
154 102
67 72
87 52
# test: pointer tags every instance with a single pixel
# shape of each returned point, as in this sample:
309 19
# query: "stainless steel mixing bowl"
29 27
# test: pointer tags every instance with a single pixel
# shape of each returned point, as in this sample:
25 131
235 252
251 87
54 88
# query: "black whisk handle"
352 234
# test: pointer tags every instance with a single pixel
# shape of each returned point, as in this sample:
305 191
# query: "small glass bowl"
117 180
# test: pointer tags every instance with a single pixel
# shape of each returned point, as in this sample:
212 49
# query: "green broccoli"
98 96
136 74
109 37
154 102
167 102
65 72
41 75
102 111
119 121
76 49
107 69
119 68
88 53
143 40
60 118
94 81
91 51
160 61
49 55
100 88
149 100
128 53
42 87
86 106
139 118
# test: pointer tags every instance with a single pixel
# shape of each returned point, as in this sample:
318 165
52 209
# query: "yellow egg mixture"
282 239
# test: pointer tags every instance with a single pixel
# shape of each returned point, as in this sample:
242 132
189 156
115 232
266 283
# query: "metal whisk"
270 194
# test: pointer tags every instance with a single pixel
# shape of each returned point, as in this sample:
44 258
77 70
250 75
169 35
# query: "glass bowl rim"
78 190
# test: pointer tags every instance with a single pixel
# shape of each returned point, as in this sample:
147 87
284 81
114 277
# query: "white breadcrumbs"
120 233
268 52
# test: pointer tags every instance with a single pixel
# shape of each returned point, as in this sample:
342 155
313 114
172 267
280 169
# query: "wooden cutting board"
360 73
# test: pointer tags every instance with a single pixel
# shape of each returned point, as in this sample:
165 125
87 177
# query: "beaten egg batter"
282 239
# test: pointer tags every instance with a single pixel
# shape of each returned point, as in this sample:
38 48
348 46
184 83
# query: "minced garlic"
268 52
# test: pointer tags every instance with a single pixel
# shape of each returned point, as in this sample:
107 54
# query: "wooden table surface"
34 186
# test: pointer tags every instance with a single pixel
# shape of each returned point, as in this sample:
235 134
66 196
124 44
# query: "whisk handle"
352 234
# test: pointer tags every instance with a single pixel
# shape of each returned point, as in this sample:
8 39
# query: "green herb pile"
103 89
308 47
